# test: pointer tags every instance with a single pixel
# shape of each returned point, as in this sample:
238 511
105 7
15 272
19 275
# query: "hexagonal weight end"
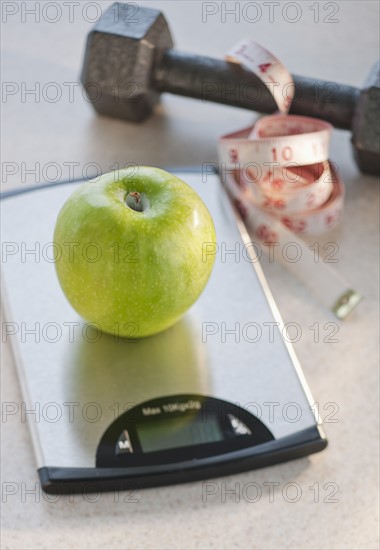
121 53
366 125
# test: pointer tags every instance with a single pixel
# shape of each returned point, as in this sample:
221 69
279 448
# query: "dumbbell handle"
231 84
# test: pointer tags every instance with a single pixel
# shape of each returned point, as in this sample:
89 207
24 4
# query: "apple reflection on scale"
207 397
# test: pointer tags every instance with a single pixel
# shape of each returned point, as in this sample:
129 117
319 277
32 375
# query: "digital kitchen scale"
218 393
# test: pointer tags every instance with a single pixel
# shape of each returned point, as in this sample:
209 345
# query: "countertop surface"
54 134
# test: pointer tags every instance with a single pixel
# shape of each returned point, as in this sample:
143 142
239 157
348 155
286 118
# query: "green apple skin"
133 273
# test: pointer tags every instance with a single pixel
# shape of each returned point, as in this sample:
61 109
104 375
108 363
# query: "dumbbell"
129 61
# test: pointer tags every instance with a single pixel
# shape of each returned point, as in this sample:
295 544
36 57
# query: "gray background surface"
183 132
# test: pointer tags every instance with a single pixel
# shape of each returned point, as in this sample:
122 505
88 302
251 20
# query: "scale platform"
220 392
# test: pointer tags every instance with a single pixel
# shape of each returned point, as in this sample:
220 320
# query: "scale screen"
170 433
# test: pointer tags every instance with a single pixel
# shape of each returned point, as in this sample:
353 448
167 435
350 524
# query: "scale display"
180 432
202 399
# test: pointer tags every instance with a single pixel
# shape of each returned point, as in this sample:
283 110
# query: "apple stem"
137 201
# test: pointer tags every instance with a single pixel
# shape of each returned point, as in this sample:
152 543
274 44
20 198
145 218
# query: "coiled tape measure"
280 178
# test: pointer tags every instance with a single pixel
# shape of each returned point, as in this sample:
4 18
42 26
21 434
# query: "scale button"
123 445
238 426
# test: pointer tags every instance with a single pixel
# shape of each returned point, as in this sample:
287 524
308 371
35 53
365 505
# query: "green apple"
131 250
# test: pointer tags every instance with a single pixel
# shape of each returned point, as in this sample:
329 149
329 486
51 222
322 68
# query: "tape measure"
282 182
279 168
